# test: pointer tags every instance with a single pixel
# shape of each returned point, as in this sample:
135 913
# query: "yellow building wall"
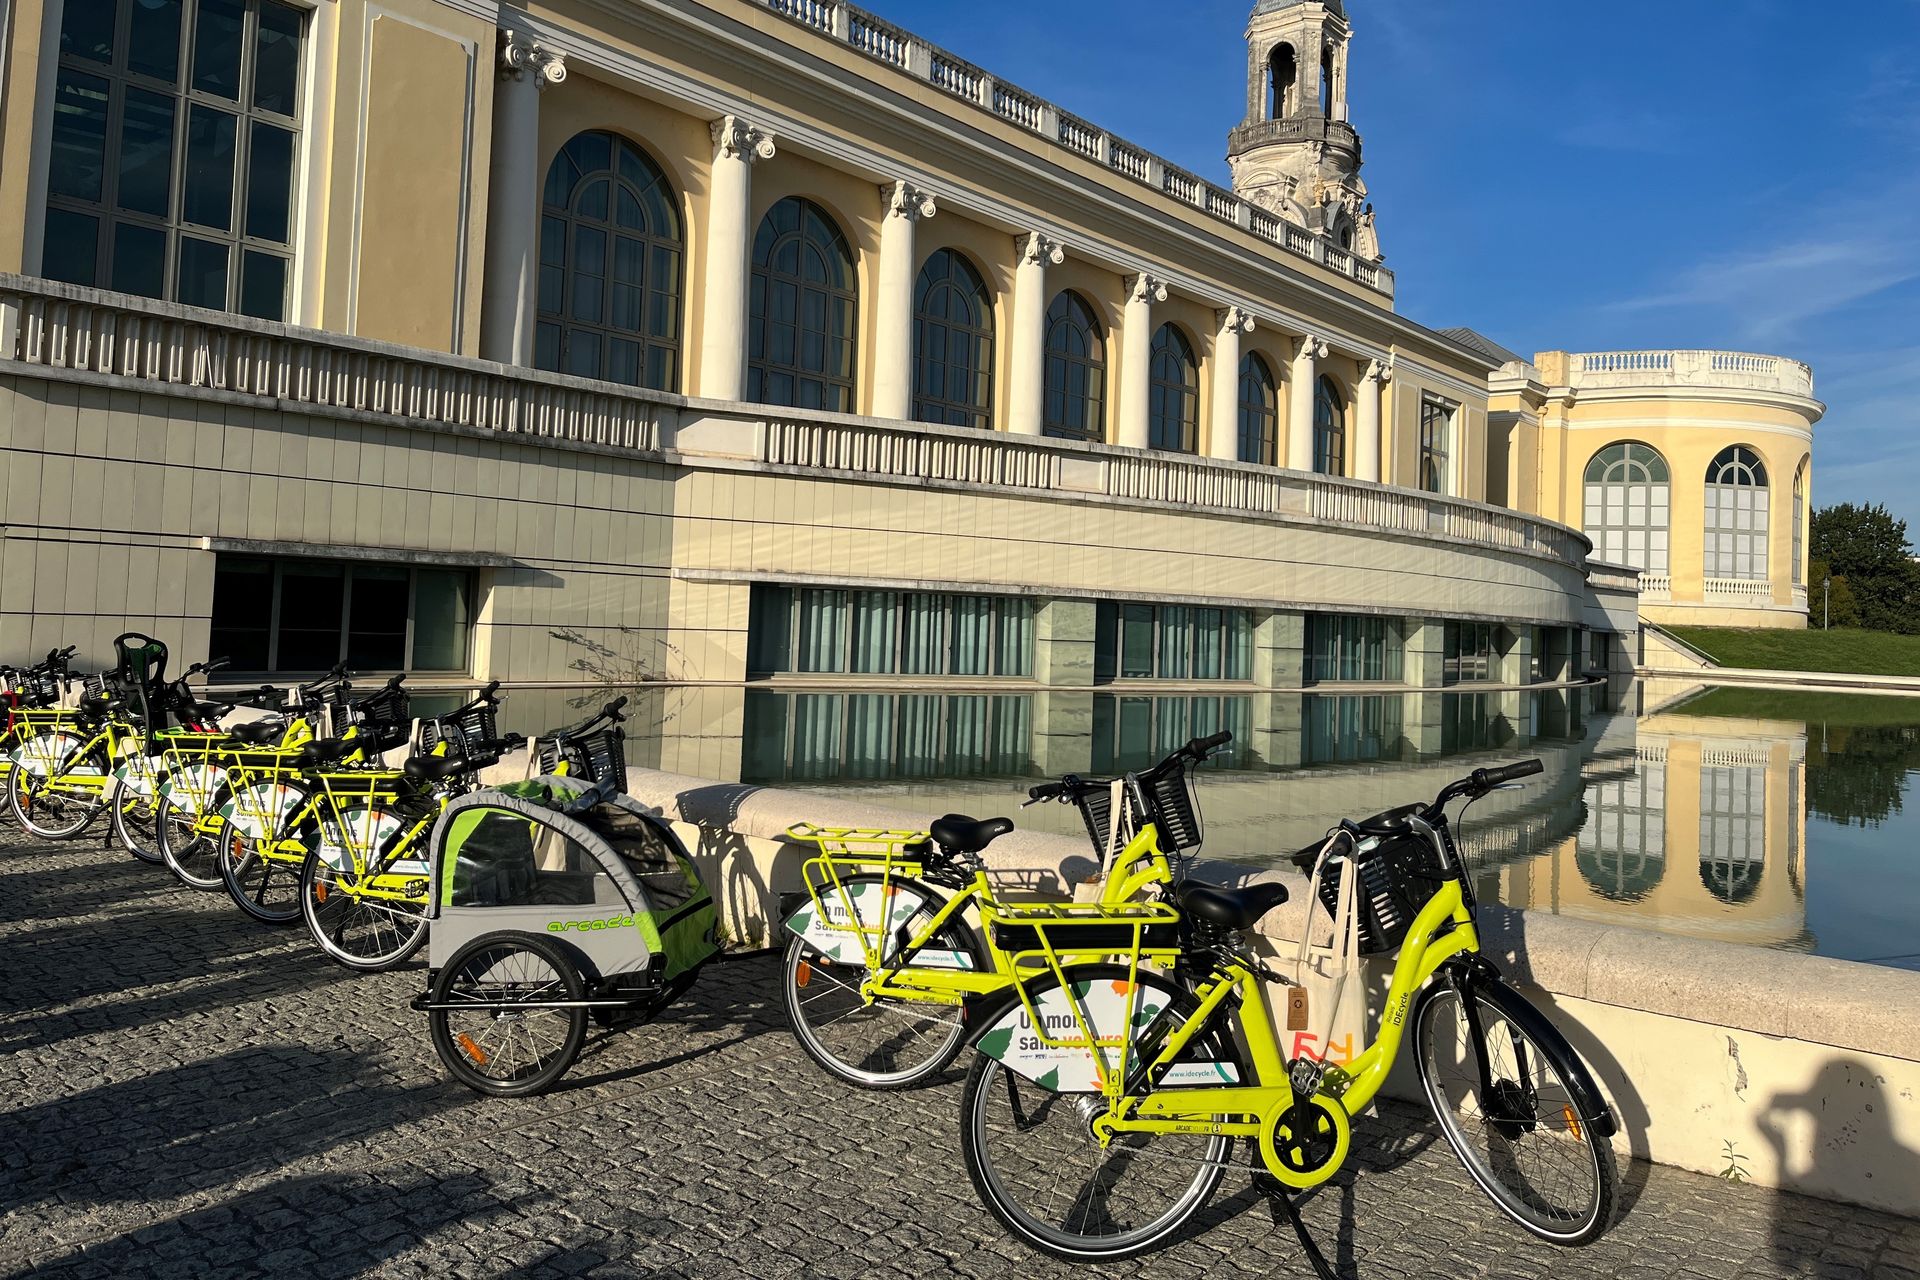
22 68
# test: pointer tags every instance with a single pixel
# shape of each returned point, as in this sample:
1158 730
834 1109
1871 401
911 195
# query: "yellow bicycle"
1081 1139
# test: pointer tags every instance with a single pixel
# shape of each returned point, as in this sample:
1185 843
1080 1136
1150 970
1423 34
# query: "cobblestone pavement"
183 1093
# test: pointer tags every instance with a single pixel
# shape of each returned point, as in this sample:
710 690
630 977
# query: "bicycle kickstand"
1281 1199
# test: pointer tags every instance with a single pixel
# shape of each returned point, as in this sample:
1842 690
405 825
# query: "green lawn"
1836 710
1843 649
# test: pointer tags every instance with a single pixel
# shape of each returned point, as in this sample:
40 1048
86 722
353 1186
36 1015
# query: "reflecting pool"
1776 819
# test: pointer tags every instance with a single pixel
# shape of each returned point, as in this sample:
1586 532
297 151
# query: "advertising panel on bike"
1055 1054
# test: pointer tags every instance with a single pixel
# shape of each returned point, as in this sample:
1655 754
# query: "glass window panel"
77 164
263 286
207 197
86 29
270 183
217 34
153 43
146 152
276 68
312 600
72 252
1136 641
139 260
242 612
442 619
201 280
377 618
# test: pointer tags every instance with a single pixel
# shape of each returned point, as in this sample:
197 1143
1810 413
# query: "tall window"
1622 847
1283 77
1259 412
952 344
814 737
1329 430
175 127
1174 398
1436 443
1350 647
1737 515
1346 728
297 615
1627 506
1800 524
802 303
610 251
1134 732
1171 642
1076 370
916 633
1733 830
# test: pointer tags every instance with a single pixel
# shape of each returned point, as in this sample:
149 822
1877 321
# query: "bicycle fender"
826 925
1594 1111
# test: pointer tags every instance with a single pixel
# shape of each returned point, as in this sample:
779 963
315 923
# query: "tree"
1868 547
1838 608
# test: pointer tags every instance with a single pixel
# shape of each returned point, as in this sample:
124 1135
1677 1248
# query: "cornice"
1806 406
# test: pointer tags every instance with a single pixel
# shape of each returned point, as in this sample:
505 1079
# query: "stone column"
508 297
1280 649
1425 660
1224 437
723 334
893 300
1516 659
1063 642
1366 449
1300 403
1136 359
1026 406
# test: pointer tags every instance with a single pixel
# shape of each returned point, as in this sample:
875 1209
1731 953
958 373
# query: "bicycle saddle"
957 831
1233 909
434 768
257 733
318 755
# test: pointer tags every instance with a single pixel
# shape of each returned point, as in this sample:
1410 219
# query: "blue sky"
1687 173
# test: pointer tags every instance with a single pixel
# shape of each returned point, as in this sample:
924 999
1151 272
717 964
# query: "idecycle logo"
582 926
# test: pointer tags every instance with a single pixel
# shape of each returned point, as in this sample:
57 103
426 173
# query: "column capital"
522 56
735 139
1378 371
1311 348
1036 248
1146 288
904 200
1235 320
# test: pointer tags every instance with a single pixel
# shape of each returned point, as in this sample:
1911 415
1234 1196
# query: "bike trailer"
591 869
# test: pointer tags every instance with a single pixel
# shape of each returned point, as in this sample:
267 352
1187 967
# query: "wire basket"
1171 806
1096 810
462 729
385 716
600 756
1392 882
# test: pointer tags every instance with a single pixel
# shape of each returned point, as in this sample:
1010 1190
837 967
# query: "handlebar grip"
1046 791
486 694
613 708
1200 748
394 681
1513 772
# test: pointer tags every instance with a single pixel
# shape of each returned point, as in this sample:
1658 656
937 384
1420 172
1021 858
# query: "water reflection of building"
1702 835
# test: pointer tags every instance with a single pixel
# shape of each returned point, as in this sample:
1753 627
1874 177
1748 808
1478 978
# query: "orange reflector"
319 890
802 974
1573 1121
472 1050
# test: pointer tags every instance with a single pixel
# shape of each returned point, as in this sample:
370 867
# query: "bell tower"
1296 152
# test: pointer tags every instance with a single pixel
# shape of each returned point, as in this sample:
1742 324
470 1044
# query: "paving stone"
184 1092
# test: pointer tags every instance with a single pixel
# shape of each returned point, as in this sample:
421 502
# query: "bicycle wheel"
45 807
365 934
192 855
135 823
1523 1141
889 1044
1036 1165
496 1048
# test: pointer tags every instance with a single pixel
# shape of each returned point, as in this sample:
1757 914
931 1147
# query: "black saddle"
1234 909
434 768
958 832
326 751
257 733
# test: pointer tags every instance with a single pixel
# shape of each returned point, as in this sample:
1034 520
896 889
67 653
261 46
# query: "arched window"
952 344
1329 429
1259 412
1737 515
1326 82
1627 506
802 305
1076 376
610 253
1283 78
1173 405
1622 847
1800 524
1733 830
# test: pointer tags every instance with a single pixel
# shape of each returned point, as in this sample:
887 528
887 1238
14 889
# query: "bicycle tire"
1520 1109
192 856
1055 1153
139 836
21 806
249 877
819 994
330 914
503 965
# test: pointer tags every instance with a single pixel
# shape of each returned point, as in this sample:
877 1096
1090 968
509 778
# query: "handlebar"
609 712
339 673
1072 786
1198 749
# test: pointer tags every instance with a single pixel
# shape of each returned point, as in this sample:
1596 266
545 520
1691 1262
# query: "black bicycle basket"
385 716
1393 880
599 756
462 730
1171 806
1096 810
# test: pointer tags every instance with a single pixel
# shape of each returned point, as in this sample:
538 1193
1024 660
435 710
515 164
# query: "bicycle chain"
888 1008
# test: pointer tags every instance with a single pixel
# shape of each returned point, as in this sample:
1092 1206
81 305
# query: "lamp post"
1826 598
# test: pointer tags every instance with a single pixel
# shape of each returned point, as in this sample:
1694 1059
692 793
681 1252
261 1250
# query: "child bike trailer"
552 900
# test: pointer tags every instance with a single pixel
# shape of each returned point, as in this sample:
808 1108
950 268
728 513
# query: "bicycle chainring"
1306 1143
